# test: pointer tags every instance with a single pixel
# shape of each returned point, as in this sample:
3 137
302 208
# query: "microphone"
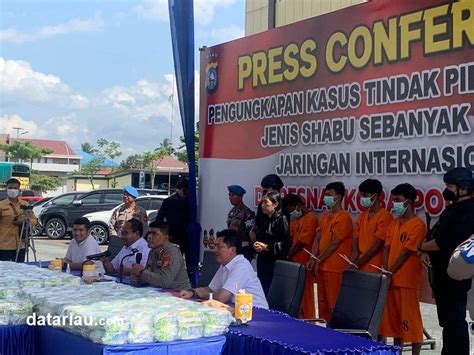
133 252
98 256
138 258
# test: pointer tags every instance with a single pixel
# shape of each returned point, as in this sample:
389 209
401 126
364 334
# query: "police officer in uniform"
165 267
455 225
123 214
241 219
12 214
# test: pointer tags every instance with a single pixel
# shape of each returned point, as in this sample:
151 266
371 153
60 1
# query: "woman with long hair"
273 238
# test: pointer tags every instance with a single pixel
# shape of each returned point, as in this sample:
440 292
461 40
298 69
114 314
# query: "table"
25 340
16 340
272 332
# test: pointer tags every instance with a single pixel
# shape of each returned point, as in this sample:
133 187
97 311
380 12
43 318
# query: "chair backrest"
360 302
209 268
286 289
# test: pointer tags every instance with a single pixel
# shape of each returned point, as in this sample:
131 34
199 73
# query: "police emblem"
211 78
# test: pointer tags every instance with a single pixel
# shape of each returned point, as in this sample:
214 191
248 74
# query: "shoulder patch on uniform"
166 261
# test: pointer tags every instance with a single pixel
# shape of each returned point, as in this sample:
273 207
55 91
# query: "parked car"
100 220
58 219
37 207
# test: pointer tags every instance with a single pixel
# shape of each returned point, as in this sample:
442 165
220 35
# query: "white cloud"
138 116
18 79
68 127
226 34
153 9
72 26
203 9
7 122
142 101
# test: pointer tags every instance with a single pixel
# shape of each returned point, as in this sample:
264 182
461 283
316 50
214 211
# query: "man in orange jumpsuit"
303 228
334 237
402 316
371 227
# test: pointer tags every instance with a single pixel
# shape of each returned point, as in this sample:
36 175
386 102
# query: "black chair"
360 303
208 269
286 289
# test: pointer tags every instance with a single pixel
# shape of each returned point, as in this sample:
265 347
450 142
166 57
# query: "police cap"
236 189
131 191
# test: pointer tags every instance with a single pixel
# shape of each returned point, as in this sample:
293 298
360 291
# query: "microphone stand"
134 251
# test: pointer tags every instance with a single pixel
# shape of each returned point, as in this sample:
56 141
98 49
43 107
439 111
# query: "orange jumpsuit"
402 316
367 231
304 229
329 276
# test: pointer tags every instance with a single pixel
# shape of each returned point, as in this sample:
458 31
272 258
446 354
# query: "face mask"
13 193
329 201
449 195
399 208
296 213
367 201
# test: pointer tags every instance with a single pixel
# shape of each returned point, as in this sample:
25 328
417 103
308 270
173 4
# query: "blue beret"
131 191
236 189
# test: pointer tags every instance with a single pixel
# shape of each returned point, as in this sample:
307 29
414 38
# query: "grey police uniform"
166 269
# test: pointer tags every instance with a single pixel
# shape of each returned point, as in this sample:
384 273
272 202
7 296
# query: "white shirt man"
131 236
82 245
234 274
141 245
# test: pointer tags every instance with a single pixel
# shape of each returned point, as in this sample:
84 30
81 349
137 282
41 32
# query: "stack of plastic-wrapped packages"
111 313
16 280
107 313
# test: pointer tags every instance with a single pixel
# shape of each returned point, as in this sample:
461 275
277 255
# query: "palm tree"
88 148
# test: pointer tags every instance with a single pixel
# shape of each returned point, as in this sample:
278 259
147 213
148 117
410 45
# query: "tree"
88 148
135 161
181 152
24 150
105 150
167 146
43 183
151 161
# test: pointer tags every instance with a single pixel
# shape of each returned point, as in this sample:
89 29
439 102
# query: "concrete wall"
288 11
121 181
83 184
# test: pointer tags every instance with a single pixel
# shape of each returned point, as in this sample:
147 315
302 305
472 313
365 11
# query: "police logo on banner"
211 78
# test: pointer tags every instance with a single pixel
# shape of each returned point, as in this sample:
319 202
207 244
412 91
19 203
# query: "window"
93 199
64 200
155 204
143 203
113 197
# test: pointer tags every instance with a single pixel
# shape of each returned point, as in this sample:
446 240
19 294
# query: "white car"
100 220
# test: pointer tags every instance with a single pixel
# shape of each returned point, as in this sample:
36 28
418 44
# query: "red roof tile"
170 162
58 147
104 171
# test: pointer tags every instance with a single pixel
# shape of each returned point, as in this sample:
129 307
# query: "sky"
79 70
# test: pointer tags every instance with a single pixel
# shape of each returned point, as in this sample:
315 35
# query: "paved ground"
48 249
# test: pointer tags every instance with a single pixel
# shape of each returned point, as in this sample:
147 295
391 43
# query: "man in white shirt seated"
82 245
134 244
234 274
